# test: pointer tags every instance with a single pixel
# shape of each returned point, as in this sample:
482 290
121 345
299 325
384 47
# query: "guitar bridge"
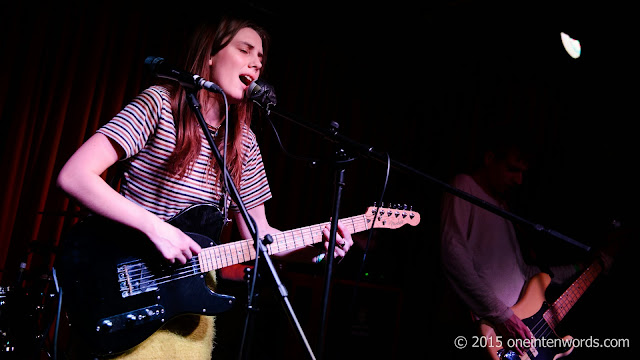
135 278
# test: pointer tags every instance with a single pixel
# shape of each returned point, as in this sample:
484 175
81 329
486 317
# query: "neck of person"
482 180
214 115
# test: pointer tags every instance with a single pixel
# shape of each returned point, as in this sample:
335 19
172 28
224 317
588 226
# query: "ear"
210 60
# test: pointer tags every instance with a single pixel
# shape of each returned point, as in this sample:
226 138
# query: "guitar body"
114 281
530 309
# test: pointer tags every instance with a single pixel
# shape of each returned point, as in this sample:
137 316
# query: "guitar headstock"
391 218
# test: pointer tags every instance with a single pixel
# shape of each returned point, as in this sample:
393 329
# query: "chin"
235 98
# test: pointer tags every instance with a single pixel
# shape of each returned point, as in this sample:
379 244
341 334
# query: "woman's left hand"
343 240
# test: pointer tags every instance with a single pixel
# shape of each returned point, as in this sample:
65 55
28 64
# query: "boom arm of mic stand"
368 152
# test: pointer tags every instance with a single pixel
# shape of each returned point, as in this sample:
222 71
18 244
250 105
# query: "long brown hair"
208 40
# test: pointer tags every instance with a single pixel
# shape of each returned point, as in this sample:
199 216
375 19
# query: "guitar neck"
237 252
565 302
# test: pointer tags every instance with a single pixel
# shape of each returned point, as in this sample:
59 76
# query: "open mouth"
246 79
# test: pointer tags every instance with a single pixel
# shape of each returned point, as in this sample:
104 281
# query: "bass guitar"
118 290
541 318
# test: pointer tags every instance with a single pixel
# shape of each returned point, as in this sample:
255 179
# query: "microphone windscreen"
254 89
153 61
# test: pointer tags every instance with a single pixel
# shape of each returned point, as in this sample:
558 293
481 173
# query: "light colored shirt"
481 254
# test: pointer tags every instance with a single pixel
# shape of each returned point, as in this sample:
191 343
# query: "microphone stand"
261 250
331 133
339 183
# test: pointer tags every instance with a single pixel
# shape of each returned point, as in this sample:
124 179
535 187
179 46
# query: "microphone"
262 93
23 265
159 68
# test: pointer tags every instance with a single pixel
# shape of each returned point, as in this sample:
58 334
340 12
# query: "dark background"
419 82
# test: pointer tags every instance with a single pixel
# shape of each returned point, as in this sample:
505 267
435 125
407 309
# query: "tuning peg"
404 213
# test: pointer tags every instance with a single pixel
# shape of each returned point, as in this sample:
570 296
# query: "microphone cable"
369 237
312 161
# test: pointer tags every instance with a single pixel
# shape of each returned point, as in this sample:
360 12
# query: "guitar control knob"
131 318
105 326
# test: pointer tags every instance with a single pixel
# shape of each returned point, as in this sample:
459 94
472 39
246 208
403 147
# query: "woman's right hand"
174 244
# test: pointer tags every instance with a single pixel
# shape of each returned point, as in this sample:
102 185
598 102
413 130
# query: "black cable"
56 332
366 248
287 153
225 190
314 162
58 314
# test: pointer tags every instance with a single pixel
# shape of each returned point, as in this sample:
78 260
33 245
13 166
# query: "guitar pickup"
130 319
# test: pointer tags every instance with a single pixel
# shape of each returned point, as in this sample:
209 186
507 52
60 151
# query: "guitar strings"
141 276
542 328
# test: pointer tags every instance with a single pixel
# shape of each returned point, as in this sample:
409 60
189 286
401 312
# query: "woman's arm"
81 178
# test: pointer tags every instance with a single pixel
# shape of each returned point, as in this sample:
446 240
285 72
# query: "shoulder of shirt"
462 179
157 90
465 182
156 97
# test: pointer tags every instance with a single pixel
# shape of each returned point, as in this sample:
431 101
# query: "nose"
256 63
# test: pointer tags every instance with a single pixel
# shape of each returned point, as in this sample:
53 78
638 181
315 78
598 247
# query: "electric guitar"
118 290
541 318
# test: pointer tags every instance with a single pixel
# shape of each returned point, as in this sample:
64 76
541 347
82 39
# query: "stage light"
572 46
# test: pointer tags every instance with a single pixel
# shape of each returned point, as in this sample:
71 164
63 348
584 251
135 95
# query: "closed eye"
246 48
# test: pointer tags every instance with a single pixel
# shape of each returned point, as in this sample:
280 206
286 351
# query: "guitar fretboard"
565 302
217 257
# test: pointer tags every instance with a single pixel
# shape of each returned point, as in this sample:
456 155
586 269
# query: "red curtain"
65 70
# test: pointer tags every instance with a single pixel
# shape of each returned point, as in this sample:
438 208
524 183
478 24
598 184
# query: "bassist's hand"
173 243
514 328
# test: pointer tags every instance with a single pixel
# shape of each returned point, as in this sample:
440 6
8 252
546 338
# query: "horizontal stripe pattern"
145 129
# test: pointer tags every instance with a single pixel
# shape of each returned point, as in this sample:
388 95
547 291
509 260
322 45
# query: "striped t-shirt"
145 130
